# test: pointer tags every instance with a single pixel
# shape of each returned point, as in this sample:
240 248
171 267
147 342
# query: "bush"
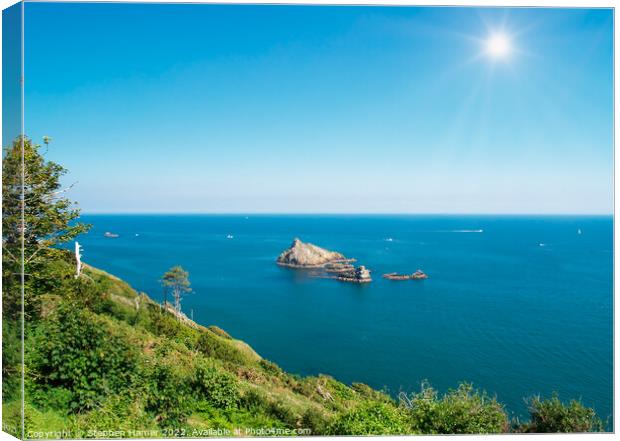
77 351
283 412
371 418
168 395
11 360
218 388
460 411
257 402
315 420
86 293
551 415
254 401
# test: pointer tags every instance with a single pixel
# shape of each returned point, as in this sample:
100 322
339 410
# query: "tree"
176 279
36 214
35 185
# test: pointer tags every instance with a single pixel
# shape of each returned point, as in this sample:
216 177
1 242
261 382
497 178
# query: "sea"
517 305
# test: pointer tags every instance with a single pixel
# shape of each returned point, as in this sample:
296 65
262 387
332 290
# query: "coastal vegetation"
103 359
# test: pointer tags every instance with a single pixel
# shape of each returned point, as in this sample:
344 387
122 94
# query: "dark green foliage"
216 387
11 359
76 350
463 410
169 396
48 214
371 418
159 322
551 415
49 220
258 403
282 412
254 400
316 421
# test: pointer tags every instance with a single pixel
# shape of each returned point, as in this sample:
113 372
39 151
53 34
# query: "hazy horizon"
337 109
300 213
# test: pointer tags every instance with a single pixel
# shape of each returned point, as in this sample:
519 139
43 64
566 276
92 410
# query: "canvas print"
289 220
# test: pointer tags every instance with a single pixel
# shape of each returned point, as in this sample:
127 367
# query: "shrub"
254 400
86 293
218 388
168 395
161 323
283 412
371 418
315 420
11 360
460 411
257 402
75 350
551 415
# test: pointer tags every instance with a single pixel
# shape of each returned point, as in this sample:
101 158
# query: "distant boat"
542 244
389 239
110 235
230 236
578 230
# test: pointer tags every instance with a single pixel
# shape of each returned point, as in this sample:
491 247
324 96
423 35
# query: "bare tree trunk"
177 300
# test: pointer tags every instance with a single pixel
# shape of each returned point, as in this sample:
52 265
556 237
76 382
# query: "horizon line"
284 213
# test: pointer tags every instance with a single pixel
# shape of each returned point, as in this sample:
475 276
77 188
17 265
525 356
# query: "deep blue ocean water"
522 308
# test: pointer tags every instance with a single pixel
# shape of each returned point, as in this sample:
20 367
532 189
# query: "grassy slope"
270 397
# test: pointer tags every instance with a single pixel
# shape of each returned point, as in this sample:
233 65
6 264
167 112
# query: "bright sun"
498 46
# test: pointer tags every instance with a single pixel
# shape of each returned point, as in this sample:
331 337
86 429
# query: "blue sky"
231 108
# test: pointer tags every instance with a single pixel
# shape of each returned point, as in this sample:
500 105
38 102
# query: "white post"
78 258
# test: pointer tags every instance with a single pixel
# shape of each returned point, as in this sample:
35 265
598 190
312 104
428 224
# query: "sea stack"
361 274
307 255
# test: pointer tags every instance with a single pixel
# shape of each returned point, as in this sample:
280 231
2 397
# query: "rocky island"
418 275
307 255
